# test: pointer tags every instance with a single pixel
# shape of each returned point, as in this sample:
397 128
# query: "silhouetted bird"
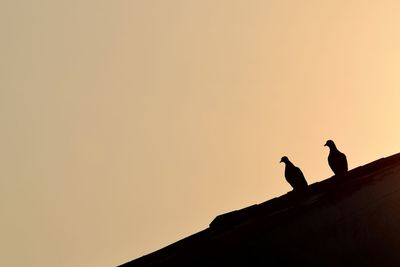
336 159
294 175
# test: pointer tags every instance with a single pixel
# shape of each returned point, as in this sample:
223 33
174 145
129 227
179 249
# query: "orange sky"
127 125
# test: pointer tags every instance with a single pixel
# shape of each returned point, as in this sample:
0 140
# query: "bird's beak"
325 144
280 161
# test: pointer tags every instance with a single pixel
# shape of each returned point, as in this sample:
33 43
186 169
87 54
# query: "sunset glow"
128 125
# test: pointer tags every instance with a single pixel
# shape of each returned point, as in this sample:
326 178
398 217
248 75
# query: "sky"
128 125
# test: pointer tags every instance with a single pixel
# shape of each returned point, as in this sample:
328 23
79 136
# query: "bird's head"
284 159
329 143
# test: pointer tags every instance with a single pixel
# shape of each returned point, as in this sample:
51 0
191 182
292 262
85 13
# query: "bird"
336 159
294 176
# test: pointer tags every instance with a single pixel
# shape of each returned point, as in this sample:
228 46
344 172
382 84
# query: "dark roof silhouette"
294 176
336 159
336 222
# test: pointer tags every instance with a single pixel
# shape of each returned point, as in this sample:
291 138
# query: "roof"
285 230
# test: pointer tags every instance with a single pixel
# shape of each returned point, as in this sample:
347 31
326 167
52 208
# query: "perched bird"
293 175
336 159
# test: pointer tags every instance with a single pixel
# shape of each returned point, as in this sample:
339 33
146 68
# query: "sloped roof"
338 221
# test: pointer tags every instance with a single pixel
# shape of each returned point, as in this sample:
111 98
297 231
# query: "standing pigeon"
336 159
293 175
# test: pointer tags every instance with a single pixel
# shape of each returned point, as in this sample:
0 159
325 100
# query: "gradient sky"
128 125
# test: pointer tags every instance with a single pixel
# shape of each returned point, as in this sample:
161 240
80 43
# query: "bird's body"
294 176
336 159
